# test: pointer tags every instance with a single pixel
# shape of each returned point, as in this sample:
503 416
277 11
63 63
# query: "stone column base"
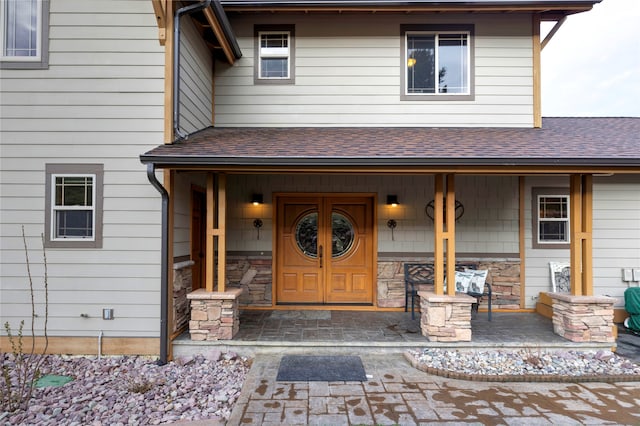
214 315
583 318
446 318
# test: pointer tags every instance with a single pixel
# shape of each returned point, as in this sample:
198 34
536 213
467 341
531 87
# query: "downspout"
164 263
176 62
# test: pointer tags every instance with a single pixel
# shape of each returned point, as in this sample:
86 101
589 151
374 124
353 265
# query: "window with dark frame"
550 218
437 62
274 54
74 205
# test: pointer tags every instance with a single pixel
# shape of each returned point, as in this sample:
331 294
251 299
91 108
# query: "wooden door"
349 263
324 250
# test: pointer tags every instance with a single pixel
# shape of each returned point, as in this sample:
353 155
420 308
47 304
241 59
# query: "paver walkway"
396 393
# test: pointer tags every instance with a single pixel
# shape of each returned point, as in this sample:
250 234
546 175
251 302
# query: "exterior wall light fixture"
392 200
256 199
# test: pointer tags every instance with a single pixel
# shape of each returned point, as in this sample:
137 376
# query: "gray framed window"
550 216
274 55
74 205
437 62
24 34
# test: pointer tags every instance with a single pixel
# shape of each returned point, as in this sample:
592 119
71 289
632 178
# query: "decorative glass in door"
342 235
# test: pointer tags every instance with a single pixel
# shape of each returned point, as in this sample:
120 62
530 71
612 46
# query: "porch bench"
417 276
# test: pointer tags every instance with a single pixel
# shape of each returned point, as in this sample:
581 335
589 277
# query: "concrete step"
183 347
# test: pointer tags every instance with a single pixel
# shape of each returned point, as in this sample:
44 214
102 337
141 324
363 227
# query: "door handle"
320 255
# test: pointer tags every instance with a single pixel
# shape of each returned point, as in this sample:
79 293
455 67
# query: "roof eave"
373 162
549 9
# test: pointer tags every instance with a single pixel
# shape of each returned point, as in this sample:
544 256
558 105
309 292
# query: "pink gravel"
133 390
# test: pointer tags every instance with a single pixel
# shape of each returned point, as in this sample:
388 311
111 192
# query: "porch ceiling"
562 145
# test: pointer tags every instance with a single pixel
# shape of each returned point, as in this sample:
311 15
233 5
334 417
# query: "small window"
24 30
73 207
74 203
274 55
551 218
437 62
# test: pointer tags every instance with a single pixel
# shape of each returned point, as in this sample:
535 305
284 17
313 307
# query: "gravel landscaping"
134 390
137 391
525 365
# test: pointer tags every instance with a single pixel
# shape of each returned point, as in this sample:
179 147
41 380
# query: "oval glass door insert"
307 235
342 234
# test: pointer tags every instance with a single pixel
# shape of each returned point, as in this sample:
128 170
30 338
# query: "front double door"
325 249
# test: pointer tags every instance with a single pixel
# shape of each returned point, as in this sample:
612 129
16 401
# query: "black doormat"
311 368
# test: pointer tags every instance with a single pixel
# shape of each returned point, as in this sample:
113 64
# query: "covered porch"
322 331
446 162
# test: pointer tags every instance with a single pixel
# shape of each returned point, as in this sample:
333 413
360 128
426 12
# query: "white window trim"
274 52
41 59
409 29
553 219
288 29
55 208
53 170
549 192
437 35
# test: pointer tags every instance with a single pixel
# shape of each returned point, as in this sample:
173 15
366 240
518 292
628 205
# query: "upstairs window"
274 54
74 203
437 62
551 218
24 34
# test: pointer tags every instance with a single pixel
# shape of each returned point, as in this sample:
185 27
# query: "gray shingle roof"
585 142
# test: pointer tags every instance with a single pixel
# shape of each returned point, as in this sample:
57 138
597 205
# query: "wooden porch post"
210 246
221 232
444 234
438 223
581 231
214 199
587 235
450 235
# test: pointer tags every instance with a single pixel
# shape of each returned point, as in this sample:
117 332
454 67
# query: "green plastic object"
632 306
53 380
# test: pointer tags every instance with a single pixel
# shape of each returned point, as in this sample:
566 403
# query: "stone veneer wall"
445 318
504 279
253 274
214 315
182 285
583 318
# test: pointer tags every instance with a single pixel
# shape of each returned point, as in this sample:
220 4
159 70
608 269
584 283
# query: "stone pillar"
214 315
182 284
583 318
446 318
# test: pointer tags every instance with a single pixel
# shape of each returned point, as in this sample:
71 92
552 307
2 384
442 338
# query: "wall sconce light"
256 199
392 200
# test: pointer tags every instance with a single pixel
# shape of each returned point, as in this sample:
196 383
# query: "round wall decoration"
430 209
